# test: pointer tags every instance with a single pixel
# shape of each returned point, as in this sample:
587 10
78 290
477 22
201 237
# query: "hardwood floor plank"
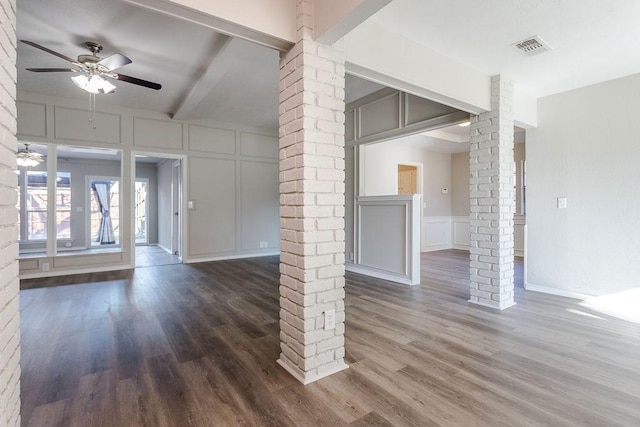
180 345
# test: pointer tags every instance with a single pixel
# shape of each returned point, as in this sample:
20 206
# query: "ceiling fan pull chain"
92 110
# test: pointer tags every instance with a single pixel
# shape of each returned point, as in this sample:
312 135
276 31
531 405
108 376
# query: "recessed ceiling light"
464 124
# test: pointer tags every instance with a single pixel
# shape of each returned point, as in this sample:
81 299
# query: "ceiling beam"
334 19
269 23
214 67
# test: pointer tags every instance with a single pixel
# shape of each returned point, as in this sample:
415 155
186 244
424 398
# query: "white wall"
379 173
225 164
586 149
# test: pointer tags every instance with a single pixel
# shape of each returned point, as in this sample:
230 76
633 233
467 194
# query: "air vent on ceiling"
532 46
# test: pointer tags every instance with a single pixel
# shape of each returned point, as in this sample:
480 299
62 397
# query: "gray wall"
231 170
460 181
460 184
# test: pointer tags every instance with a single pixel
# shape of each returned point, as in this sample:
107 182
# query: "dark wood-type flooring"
182 345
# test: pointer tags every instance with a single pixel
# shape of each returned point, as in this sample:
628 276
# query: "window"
32 205
104 211
36 206
63 205
141 211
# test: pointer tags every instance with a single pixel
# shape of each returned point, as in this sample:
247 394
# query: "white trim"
412 205
434 248
556 291
184 220
146 211
67 272
374 272
235 256
311 378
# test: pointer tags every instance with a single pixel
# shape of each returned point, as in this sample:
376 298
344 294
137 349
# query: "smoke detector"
533 45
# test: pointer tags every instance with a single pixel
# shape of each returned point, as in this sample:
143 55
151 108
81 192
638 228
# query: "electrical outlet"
329 320
264 244
45 266
350 256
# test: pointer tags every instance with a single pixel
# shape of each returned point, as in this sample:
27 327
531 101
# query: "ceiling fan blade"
52 70
136 81
52 52
114 61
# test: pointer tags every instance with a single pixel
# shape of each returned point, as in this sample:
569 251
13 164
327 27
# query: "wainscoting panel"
460 226
436 233
452 232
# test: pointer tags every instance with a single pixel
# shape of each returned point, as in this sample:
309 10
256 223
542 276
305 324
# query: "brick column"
311 205
492 198
9 284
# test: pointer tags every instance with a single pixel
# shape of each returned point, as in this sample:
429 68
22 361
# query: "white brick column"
9 284
311 204
492 198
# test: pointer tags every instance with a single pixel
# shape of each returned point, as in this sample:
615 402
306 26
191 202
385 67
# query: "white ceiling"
172 52
592 40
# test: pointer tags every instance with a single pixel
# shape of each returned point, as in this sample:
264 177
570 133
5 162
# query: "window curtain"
101 190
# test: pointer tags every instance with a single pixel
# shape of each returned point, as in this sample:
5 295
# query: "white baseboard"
434 248
461 247
53 273
555 291
231 256
372 272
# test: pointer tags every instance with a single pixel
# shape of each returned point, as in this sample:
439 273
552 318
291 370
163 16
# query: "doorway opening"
407 179
157 217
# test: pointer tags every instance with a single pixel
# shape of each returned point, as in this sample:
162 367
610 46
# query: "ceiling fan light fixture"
94 84
25 158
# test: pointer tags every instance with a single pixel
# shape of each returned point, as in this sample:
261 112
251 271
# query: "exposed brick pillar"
9 285
311 204
492 197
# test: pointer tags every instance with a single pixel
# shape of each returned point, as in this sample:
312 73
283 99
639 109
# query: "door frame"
146 212
183 228
176 206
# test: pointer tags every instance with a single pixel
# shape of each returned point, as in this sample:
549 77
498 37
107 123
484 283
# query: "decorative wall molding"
386 240
452 232
436 233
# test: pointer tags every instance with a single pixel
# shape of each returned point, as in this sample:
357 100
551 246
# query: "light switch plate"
191 204
562 203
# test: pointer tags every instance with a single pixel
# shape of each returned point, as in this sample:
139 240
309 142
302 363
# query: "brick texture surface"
311 203
492 199
9 307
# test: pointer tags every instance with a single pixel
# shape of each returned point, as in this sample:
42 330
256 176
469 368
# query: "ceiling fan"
91 69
